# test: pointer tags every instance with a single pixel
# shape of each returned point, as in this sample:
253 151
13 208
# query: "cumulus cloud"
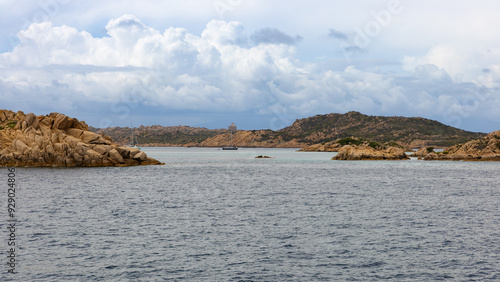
222 70
462 63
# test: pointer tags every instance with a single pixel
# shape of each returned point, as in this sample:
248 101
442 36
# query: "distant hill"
414 131
410 132
161 135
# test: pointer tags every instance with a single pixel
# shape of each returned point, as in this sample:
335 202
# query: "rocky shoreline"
56 140
332 146
484 149
364 152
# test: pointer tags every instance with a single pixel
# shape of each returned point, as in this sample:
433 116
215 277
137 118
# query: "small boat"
232 127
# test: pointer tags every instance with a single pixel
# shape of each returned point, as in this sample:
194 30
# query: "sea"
214 215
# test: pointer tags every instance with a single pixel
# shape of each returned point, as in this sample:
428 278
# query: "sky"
258 63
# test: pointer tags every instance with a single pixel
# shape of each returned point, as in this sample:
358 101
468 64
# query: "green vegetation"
498 145
349 141
394 144
482 145
11 124
378 128
374 145
430 149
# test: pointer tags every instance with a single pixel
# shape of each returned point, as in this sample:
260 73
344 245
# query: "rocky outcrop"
335 146
423 152
364 152
59 140
484 149
332 146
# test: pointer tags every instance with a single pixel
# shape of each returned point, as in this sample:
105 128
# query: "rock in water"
363 152
59 140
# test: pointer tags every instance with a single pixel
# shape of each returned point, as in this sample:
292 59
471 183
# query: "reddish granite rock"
59 140
484 149
363 152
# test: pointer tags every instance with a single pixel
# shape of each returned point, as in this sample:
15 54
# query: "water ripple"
209 215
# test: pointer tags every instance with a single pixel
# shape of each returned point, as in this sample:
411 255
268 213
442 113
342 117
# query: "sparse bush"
394 144
349 141
11 124
374 145
430 149
482 145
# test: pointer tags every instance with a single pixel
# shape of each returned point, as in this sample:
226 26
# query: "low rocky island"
264 157
363 152
359 149
336 145
56 140
484 149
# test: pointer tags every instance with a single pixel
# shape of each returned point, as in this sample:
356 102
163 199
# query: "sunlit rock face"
61 141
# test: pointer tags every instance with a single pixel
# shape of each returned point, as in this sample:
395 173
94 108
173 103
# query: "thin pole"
232 137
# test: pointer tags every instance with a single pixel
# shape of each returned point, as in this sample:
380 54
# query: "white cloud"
226 70
462 63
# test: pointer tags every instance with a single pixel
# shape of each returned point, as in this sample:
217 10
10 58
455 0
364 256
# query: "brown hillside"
408 132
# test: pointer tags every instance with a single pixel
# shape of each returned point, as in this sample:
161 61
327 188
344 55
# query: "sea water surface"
213 215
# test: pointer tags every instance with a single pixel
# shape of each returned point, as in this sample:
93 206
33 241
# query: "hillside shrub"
349 141
430 149
11 124
394 144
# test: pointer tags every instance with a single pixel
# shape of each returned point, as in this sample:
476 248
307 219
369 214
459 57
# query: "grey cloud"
346 41
274 36
129 23
353 49
432 73
182 78
338 34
